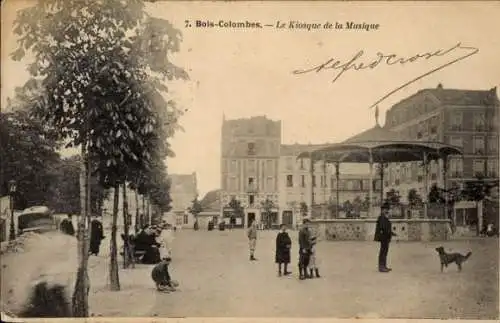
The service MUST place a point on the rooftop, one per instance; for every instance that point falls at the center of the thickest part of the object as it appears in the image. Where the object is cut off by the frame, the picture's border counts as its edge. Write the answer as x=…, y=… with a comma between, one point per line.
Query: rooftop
x=458, y=97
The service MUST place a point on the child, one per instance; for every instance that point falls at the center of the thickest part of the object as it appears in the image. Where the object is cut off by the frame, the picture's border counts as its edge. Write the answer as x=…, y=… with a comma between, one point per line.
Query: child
x=283, y=245
x=313, y=268
x=161, y=277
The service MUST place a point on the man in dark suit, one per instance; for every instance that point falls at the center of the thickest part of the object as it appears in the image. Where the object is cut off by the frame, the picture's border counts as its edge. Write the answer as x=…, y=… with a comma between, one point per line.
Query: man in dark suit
x=383, y=234
x=304, y=249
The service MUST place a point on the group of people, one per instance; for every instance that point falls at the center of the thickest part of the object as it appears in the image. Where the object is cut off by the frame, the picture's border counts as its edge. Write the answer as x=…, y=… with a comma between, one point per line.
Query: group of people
x=308, y=266
x=153, y=242
x=96, y=232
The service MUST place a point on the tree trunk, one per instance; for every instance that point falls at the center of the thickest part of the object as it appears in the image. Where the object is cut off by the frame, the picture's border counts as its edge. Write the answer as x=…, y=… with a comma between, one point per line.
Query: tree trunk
x=143, y=217
x=114, y=279
x=148, y=213
x=137, y=212
x=126, y=247
x=82, y=285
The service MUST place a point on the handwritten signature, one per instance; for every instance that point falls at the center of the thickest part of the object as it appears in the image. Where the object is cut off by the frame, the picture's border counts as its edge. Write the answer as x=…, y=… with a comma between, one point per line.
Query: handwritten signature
x=392, y=59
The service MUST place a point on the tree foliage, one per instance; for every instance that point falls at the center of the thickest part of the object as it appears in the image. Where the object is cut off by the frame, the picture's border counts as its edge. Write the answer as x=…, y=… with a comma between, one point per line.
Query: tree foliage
x=393, y=198
x=196, y=207
x=27, y=154
x=98, y=80
x=414, y=199
x=236, y=207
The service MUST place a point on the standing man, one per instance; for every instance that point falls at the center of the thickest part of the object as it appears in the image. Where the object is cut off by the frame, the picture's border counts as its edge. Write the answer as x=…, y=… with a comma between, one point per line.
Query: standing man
x=252, y=239
x=383, y=234
x=96, y=235
x=304, y=249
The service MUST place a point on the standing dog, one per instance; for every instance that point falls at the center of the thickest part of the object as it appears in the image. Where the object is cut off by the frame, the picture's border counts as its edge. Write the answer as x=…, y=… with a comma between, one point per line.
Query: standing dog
x=448, y=258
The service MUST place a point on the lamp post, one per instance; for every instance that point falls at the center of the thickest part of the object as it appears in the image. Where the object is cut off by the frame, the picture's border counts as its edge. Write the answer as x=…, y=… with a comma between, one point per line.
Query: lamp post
x=12, y=190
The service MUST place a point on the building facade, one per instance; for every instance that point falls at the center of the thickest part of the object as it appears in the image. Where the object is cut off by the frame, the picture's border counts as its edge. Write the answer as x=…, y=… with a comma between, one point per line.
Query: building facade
x=183, y=190
x=464, y=118
x=250, y=153
x=256, y=167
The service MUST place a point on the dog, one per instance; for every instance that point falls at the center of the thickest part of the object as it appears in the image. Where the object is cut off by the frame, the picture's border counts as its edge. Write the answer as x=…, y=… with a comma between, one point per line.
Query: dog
x=448, y=258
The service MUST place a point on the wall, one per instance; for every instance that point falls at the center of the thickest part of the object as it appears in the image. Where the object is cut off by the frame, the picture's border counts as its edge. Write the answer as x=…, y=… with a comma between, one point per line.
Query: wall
x=364, y=229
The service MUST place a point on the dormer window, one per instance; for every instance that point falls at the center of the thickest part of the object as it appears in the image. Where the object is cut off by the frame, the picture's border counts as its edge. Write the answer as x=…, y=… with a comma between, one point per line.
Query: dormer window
x=251, y=148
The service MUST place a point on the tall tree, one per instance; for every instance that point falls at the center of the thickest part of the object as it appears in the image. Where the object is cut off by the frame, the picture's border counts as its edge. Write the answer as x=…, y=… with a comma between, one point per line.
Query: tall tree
x=27, y=155
x=267, y=207
x=102, y=66
x=236, y=207
x=195, y=209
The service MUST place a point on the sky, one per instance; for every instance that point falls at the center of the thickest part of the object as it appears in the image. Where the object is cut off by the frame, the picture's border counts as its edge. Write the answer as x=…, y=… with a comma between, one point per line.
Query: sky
x=248, y=72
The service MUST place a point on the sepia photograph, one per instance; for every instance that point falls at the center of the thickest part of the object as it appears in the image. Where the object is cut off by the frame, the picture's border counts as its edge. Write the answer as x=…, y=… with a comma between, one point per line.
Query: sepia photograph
x=249, y=159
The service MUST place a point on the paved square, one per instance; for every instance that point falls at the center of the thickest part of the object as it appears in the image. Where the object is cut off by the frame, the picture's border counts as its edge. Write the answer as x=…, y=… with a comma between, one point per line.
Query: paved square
x=217, y=279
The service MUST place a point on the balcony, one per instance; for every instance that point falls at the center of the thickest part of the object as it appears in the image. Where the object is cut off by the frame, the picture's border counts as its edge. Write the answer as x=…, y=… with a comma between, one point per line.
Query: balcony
x=456, y=174
x=456, y=127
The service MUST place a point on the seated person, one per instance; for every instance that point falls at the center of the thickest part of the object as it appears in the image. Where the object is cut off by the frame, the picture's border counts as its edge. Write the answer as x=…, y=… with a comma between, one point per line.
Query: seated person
x=145, y=241
x=161, y=276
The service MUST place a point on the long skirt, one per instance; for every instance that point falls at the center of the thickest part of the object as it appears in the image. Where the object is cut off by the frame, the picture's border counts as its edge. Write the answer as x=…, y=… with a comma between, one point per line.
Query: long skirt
x=282, y=256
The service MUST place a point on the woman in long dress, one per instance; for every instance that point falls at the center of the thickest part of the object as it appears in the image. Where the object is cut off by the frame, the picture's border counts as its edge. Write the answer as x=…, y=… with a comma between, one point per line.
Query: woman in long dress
x=283, y=245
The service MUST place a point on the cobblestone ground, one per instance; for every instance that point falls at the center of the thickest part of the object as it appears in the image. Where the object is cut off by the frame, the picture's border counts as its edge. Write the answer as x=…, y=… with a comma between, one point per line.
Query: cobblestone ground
x=218, y=280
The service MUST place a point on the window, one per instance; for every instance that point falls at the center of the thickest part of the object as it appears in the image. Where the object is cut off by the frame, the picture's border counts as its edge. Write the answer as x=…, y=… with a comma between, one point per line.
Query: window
x=302, y=164
x=457, y=141
x=269, y=167
x=456, y=121
x=251, y=166
x=313, y=181
x=492, y=144
x=232, y=184
x=322, y=181
x=251, y=199
x=270, y=184
x=302, y=181
x=289, y=180
x=478, y=168
x=251, y=148
x=186, y=219
x=493, y=168
x=332, y=182
x=479, y=145
x=289, y=163
x=233, y=165
x=479, y=121
x=456, y=167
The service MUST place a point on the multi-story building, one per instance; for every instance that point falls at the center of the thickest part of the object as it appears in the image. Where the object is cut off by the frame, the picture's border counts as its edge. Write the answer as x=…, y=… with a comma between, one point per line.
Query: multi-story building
x=464, y=118
x=250, y=152
x=183, y=190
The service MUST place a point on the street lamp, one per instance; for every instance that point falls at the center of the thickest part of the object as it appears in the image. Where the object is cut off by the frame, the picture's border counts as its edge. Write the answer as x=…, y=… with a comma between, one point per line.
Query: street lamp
x=12, y=190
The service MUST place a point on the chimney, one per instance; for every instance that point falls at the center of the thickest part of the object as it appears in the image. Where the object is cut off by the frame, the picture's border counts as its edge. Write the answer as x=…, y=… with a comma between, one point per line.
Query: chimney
x=440, y=86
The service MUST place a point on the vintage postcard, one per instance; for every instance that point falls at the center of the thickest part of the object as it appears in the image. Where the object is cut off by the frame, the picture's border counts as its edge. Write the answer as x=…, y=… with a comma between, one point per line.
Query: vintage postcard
x=285, y=160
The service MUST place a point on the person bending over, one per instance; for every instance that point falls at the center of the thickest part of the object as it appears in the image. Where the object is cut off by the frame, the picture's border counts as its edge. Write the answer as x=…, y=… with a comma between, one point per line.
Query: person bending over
x=161, y=276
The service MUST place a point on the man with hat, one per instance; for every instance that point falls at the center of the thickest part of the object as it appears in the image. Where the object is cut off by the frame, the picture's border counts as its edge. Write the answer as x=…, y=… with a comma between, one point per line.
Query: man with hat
x=304, y=248
x=383, y=234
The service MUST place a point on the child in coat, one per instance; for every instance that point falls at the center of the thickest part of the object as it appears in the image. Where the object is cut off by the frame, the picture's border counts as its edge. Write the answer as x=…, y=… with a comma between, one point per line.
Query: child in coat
x=313, y=266
x=161, y=277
